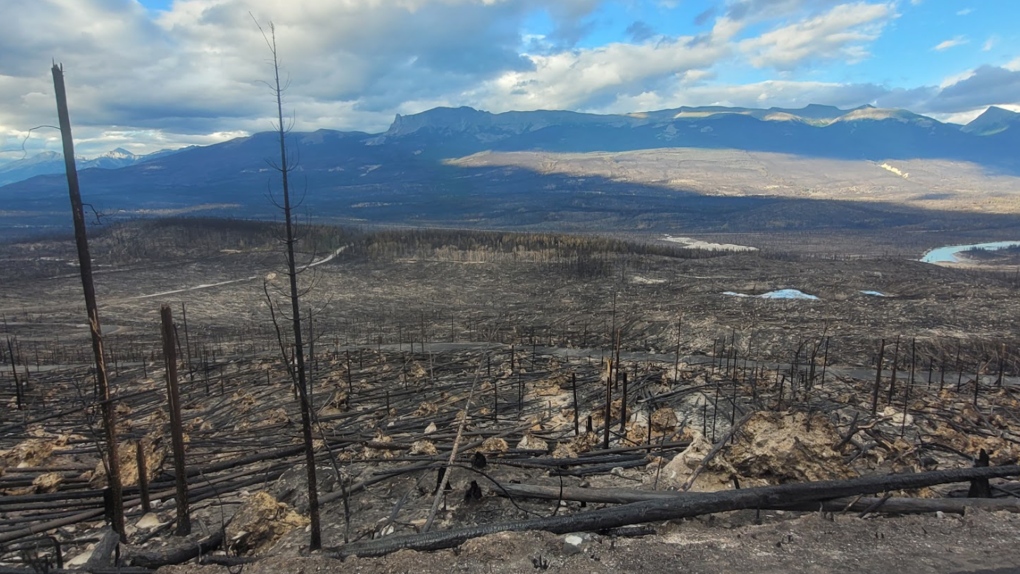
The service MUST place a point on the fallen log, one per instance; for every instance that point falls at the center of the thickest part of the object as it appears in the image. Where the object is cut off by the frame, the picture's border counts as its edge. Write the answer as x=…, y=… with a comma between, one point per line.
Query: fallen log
x=594, y=495
x=900, y=505
x=174, y=554
x=38, y=528
x=686, y=506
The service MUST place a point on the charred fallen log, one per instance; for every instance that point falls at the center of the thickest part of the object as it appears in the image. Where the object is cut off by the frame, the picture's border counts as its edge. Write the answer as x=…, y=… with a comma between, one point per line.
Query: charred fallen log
x=899, y=505
x=177, y=553
x=689, y=505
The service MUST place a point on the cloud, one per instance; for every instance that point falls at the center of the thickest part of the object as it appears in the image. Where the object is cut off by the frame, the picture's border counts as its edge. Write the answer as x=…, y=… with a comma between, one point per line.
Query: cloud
x=194, y=73
x=955, y=79
x=985, y=86
x=990, y=43
x=964, y=12
x=840, y=33
x=640, y=31
x=576, y=79
x=770, y=9
x=770, y=93
x=951, y=43
x=197, y=68
x=704, y=17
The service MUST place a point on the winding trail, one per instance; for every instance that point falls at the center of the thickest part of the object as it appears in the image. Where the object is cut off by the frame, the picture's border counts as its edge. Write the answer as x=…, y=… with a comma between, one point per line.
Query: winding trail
x=326, y=259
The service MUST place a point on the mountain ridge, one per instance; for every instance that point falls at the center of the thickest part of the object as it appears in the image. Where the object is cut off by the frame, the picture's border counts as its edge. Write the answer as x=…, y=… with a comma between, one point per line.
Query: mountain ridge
x=52, y=162
x=405, y=172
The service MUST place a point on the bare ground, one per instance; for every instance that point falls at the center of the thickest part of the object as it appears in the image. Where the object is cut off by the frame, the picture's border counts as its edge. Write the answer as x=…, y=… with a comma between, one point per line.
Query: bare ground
x=412, y=330
x=978, y=542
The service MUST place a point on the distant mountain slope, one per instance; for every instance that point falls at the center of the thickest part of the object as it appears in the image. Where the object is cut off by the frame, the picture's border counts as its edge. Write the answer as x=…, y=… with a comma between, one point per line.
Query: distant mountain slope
x=50, y=162
x=993, y=121
x=403, y=176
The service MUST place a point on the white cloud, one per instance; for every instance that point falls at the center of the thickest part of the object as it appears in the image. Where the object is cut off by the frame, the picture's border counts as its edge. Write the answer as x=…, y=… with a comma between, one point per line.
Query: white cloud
x=573, y=79
x=193, y=74
x=964, y=11
x=956, y=78
x=990, y=43
x=771, y=93
x=840, y=33
x=951, y=43
x=198, y=67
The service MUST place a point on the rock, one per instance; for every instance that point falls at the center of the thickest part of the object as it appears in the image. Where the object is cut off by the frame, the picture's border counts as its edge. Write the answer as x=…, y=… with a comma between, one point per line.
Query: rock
x=574, y=544
x=148, y=521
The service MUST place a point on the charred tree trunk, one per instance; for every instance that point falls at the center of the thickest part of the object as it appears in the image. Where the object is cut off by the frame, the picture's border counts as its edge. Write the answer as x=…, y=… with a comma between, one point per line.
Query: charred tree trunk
x=299, y=351
x=85, y=266
x=176, y=428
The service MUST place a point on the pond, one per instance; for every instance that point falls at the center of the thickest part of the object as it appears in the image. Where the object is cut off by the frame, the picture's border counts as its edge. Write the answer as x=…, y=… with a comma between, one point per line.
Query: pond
x=779, y=294
x=948, y=253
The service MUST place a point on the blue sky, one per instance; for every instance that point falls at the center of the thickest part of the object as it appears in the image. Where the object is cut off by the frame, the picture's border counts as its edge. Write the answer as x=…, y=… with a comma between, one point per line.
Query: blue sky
x=152, y=74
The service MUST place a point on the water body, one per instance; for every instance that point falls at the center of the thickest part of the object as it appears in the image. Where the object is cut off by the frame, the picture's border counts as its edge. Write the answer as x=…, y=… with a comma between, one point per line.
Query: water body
x=948, y=254
x=780, y=294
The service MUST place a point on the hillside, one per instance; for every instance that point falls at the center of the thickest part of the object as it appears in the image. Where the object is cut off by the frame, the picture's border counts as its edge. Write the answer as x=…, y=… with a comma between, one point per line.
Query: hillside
x=425, y=169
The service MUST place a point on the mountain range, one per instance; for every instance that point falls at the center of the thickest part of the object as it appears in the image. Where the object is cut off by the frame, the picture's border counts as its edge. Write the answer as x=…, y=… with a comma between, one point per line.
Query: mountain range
x=51, y=162
x=405, y=175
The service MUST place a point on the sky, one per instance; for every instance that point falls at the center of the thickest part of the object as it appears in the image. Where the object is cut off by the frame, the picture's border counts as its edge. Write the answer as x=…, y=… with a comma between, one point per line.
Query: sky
x=146, y=75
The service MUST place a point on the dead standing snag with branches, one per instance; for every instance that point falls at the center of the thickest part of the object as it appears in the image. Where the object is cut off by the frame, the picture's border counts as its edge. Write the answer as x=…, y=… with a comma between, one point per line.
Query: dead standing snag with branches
x=299, y=356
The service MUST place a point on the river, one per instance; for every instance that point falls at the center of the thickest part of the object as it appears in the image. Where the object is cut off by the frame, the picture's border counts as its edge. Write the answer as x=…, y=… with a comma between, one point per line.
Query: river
x=948, y=253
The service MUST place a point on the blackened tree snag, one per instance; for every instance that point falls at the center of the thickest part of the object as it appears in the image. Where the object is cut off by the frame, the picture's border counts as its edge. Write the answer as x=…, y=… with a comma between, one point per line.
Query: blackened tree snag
x=110, y=457
x=176, y=425
x=878, y=379
x=299, y=353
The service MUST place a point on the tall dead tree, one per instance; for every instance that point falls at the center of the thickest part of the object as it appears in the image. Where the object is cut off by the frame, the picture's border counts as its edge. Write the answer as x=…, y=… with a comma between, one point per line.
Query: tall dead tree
x=299, y=354
x=85, y=266
x=173, y=397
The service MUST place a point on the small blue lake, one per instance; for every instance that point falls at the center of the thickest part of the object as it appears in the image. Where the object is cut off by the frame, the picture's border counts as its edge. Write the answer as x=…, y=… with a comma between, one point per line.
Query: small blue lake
x=948, y=253
x=780, y=294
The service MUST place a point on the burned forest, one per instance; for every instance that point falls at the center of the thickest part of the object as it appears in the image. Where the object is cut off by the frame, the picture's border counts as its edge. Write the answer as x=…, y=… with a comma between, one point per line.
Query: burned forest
x=575, y=402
